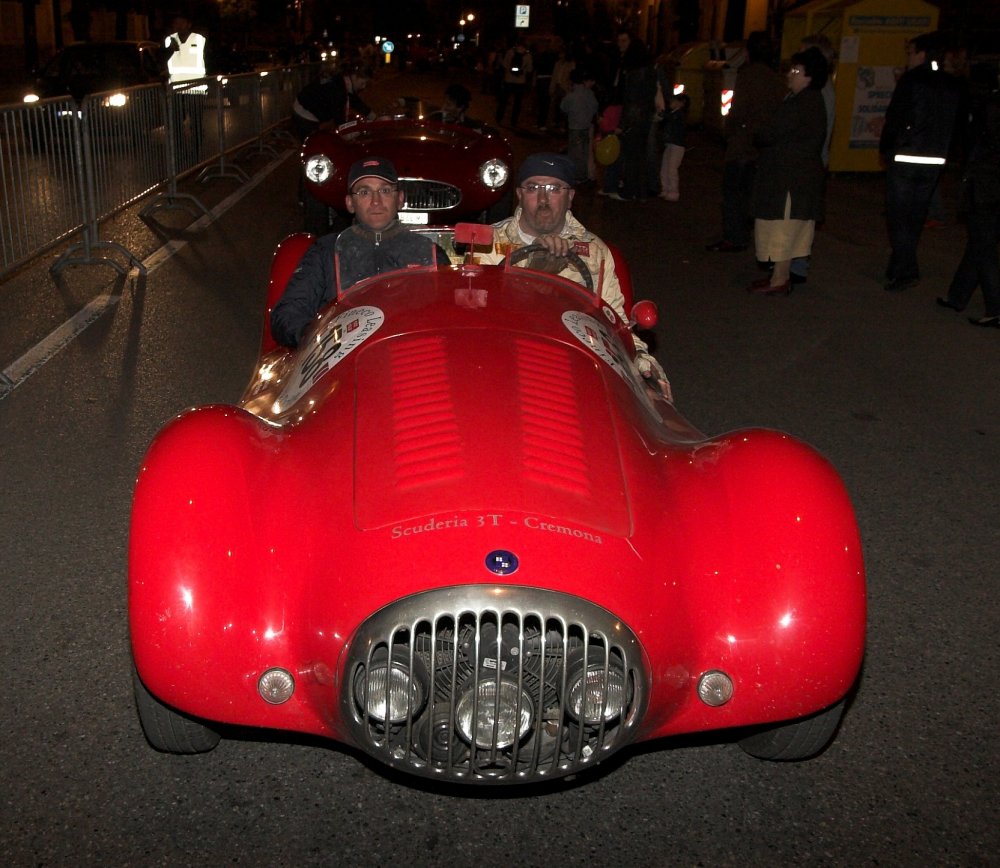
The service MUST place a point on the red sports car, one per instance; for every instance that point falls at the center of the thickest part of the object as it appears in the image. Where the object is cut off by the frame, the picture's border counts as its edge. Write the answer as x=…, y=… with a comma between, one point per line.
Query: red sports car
x=456, y=530
x=449, y=171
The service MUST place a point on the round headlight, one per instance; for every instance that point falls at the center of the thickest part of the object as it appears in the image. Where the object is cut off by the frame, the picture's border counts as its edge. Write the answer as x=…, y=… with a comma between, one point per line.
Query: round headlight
x=115, y=100
x=397, y=699
x=511, y=722
x=591, y=692
x=31, y=97
x=319, y=168
x=494, y=173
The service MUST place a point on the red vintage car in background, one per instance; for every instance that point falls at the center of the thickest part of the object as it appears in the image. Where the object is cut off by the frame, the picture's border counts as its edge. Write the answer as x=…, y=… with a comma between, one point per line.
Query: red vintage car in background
x=456, y=530
x=448, y=171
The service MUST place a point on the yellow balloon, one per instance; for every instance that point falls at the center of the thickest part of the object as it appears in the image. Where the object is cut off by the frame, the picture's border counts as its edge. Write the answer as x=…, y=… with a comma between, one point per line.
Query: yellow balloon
x=608, y=149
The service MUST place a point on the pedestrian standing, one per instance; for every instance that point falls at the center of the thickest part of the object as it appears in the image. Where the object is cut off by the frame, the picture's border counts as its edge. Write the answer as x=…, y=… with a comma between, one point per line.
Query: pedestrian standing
x=979, y=204
x=674, y=138
x=758, y=93
x=580, y=107
x=916, y=136
x=186, y=55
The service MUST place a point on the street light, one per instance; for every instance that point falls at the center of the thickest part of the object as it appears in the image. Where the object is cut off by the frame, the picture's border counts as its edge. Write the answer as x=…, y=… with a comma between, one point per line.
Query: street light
x=468, y=18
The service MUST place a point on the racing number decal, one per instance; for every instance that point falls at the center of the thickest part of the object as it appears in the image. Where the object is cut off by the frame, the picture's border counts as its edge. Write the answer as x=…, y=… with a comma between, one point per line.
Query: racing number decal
x=597, y=337
x=338, y=338
x=594, y=334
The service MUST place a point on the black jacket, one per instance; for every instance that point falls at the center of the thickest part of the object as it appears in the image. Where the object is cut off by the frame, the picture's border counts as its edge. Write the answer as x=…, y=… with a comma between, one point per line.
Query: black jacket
x=330, y=101
x=920, y=119
x=791, y=159
x=359, y=253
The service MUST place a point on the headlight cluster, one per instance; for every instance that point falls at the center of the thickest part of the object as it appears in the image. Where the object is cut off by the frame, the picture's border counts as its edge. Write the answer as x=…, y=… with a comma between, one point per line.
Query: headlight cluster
x=319, y=168
x=489, y=713
x=494, y=173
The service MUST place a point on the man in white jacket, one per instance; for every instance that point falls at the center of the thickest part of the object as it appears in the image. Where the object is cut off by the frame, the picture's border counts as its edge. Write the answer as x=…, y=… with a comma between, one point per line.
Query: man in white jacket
x=544, y=195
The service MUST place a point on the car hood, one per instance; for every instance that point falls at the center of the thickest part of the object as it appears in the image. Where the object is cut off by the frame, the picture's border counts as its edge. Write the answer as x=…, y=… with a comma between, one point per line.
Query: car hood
x=438, y=424
x=418, y=148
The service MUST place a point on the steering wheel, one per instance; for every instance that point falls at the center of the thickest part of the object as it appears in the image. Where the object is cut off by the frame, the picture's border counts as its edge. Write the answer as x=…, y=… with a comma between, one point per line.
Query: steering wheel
x=574, y=259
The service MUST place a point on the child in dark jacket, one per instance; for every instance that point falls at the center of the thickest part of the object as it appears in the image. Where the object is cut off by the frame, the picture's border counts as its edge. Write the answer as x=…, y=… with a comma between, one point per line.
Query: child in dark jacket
x=674, y=131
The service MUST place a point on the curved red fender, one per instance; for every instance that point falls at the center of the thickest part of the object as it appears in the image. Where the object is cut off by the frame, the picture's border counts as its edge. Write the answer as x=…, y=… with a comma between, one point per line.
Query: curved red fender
x=287, y=256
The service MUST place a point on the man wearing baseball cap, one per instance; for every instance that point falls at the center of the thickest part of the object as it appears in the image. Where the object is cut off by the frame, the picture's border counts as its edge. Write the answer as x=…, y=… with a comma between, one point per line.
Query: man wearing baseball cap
x=374, y=243
x=544, y=195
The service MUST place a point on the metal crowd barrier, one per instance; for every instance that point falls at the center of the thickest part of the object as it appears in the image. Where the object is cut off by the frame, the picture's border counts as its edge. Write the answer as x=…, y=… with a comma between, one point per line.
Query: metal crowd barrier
x=65, y=167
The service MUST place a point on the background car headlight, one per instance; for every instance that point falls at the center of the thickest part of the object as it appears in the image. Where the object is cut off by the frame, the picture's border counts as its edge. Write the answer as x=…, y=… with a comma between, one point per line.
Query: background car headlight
x=114, y=100
x=31, y=97
x=380, y=701
x=592, y=691
x=512, y=723
x=319, y=168
x=494, y=174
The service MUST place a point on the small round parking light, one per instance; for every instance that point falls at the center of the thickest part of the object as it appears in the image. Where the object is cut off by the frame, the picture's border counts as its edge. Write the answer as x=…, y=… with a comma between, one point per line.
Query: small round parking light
x=715, y=688
x=276, y=686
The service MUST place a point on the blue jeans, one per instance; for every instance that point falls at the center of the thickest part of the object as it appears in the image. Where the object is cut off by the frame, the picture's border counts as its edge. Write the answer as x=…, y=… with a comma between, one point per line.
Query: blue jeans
x=908, y=191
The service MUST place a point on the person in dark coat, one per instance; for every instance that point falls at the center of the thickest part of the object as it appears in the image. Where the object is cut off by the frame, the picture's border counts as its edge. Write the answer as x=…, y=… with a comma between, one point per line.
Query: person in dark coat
x=979, y=204
x=331, y=100
x=788, y=186
x=758, y=94
x=914, y=144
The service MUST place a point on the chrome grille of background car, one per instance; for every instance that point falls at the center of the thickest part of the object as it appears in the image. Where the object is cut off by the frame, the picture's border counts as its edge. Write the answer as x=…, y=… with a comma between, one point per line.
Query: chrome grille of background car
x=429, y=195
x=546, y=641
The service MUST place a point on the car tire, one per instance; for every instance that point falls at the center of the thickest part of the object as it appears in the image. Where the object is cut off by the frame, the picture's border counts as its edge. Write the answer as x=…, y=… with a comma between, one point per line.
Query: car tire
x=797, y=740
x=168, y=730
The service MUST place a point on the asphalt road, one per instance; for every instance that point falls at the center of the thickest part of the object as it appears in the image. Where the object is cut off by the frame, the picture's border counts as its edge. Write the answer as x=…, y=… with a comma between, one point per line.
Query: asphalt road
x=901, y=395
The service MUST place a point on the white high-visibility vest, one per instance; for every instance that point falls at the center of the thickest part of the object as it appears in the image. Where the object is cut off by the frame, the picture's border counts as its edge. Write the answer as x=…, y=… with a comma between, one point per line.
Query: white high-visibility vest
x=188, y=63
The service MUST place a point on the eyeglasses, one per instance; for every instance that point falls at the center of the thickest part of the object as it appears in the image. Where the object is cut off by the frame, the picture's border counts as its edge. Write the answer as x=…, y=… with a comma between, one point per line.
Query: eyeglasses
x=364, y=193
x=553, y=189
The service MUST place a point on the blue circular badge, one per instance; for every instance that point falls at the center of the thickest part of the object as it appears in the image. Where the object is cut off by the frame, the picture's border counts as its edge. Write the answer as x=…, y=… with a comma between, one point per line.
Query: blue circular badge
x=501, y=562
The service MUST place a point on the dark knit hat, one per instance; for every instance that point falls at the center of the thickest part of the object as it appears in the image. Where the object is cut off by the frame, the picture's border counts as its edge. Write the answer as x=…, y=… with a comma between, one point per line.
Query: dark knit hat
x=373, y=167
x=549, y=166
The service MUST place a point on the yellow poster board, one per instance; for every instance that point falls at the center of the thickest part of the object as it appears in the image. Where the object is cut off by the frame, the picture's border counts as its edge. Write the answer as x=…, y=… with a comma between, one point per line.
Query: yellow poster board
x=870, y=39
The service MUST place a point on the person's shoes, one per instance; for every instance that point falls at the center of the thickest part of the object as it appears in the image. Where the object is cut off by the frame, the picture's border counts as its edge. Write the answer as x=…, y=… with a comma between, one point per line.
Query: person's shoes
x=759, y=282
x=987, y=322
x=898, y=284
x=943, y=302
x=725, y=247
x=617, y=197
x=765, y=288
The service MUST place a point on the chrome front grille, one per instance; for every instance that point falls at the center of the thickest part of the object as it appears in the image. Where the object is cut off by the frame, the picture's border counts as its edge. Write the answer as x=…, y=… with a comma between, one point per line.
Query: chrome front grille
x=486, y=684
x=429, y=195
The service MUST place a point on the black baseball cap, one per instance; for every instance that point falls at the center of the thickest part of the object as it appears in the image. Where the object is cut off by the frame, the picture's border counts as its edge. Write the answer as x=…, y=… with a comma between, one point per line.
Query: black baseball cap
x=372, y=167
x=548, y=165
